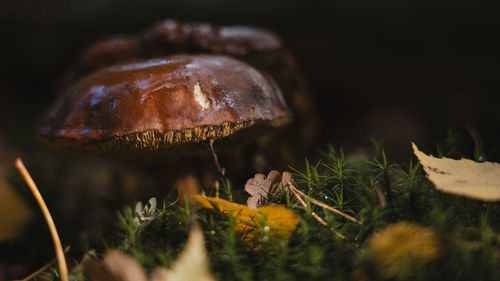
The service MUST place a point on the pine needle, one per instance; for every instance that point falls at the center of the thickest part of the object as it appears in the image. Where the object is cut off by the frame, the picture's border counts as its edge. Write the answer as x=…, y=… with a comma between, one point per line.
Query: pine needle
x=323, y=205
x=303, y=203
x=61, y=260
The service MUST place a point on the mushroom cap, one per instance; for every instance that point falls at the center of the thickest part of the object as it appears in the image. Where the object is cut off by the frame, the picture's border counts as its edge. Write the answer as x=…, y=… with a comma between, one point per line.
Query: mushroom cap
x=173, y=37
x=149, y=106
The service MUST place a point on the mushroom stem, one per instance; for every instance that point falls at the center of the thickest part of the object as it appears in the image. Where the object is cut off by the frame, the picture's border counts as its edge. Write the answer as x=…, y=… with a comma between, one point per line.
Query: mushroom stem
x=222, y=171
x=61, y=260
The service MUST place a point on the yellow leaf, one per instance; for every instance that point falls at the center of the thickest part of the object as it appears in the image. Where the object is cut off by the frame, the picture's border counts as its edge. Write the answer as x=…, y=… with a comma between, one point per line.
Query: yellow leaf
x=462, y=177
x=278, y=218
x=14, y=214
x=394, y=245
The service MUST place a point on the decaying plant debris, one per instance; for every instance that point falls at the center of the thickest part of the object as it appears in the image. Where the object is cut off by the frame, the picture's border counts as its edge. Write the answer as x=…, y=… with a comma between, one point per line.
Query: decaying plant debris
x=444, y=236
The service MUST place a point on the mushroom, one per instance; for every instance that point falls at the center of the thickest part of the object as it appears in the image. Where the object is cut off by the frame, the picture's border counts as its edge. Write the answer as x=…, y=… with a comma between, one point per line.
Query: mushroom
x=260, y=48
x=173, y=37
x=145, y=108
x=159, y=110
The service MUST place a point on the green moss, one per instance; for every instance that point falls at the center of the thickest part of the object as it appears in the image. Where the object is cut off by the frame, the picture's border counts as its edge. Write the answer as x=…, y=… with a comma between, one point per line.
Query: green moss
x=468, y=231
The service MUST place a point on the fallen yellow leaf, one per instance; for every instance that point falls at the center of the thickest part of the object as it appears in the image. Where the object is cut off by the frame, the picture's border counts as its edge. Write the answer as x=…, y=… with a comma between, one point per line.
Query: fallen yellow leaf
x=279, y=219
x=462, y=177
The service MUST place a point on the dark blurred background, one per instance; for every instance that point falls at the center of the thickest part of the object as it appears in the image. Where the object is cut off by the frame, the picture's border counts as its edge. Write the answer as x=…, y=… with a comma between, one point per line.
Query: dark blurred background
x=394, y=70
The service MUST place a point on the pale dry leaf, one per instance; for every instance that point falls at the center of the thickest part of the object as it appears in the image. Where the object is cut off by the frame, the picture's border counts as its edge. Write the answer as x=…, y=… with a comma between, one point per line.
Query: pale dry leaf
x=261, y=188
x=462, y=177
x=94, y=270
x=192, y=263
x=116, y=266
x=14, y=213
x=123, y=267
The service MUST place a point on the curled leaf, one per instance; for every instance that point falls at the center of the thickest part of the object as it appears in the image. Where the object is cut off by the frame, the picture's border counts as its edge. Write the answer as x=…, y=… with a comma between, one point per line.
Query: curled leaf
x=462, y=177
x=278, y=218
x=264, y=189
x=145, y=213
x=261, y=188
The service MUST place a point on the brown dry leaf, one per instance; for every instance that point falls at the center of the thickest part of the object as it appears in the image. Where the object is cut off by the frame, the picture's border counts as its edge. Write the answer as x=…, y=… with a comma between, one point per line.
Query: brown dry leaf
x=278, y=218
x=462, y=177
x=261, y=188
x=116, y=266
x=14, y=213
x=191, y=265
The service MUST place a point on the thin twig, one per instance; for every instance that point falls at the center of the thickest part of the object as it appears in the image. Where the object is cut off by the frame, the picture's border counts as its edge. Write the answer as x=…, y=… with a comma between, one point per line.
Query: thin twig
x=222, y=171
x=43, y=268
x=301, y=201
x=318, y=218
x=323, y=205
x=61, y=260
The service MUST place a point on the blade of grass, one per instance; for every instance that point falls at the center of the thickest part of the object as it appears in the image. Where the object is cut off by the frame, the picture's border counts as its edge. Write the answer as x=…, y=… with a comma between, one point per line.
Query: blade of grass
x=61, y=260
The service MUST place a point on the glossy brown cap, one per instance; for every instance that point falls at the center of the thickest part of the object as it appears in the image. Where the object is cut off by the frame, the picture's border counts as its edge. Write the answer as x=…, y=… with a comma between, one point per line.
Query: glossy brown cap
x=151, y=105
